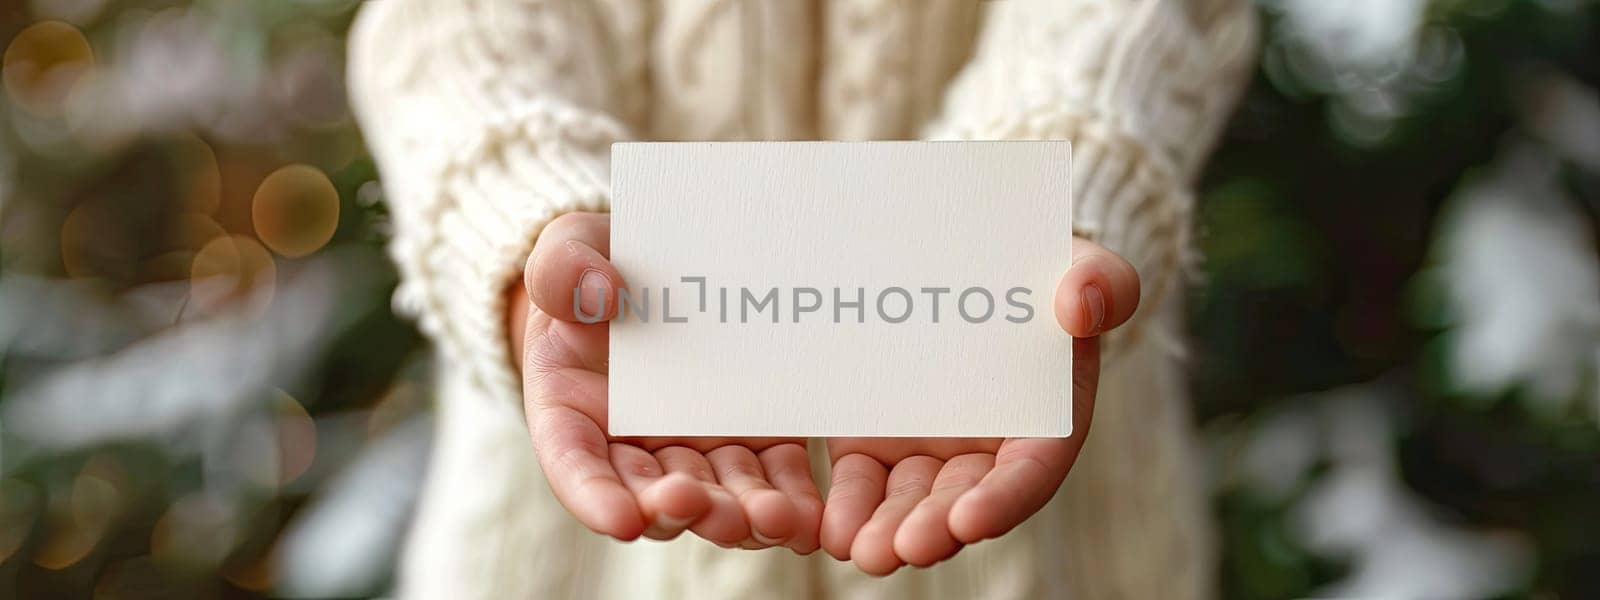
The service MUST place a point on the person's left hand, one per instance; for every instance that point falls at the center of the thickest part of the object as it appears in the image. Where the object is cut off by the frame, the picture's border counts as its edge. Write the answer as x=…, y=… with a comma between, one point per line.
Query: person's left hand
x=897, y=501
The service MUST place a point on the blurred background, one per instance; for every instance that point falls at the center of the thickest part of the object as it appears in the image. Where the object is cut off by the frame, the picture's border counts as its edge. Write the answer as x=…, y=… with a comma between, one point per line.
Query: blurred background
x=204, y=392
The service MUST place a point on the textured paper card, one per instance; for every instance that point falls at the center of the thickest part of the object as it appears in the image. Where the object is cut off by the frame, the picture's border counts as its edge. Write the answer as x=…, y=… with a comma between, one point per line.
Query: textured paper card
x=840, y=289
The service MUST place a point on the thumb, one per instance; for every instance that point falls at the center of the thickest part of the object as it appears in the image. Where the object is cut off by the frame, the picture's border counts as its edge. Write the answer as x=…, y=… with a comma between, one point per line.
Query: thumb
x=1099, y=292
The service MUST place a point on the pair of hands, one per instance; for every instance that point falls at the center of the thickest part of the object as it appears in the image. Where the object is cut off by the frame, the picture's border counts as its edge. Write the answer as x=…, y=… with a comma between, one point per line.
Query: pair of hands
x=891, y=502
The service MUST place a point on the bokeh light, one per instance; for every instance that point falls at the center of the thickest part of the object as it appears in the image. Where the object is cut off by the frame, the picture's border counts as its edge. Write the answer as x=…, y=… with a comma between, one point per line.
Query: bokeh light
x=147, y=211
x=80, y=520
x=43, y=64
x=274, y=449
x=190, y=232
x=255, y=575
x=68, y=543
x=232, y=268
x=197, y=530
x=296, y=210
x=297, y=437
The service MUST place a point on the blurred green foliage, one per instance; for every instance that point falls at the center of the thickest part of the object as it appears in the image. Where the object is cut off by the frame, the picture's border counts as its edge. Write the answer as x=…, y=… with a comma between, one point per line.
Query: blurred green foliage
x=1316, y=245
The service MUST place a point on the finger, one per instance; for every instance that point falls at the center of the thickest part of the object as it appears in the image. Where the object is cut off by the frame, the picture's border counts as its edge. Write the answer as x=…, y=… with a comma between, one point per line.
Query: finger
x=668, y=503
x=924, y=537
x=553, y=344
x=772, y=517
x=788, y=468
x=1099, y=292
x=723, y=522
x=855, y=491
x=569, y=262
x=573, y=454
x=1026, y=474
x=908, y=484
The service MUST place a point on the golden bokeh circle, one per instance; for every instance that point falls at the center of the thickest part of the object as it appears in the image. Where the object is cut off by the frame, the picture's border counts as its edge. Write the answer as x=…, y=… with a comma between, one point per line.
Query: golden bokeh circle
x=295, y=210
x=43, y=64
x=297, y=437
x=78, y=233
x=197, y=529
x=230, y=268
x=67, y=544
x=93, y=504
x=190, y=231
x=257, y=575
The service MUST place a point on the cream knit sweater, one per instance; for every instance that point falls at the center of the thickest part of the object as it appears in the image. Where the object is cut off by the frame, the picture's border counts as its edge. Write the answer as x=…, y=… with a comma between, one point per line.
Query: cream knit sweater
x=490, y=117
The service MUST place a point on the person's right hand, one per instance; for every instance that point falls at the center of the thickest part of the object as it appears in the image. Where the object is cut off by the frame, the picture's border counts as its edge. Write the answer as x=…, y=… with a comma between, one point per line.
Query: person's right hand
x=745, y=492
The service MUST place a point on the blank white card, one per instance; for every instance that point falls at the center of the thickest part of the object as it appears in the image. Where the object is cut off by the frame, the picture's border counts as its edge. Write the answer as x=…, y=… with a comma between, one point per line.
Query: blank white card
x=840, y=289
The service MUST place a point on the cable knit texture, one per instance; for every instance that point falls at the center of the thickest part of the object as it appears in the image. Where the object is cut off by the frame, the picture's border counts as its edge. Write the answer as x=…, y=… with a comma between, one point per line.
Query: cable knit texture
x=490, y=117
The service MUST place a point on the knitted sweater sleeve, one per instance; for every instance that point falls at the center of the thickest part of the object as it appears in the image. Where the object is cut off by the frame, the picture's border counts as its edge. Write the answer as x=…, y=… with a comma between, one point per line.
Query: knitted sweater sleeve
x=487, y=118
x=1141, y=88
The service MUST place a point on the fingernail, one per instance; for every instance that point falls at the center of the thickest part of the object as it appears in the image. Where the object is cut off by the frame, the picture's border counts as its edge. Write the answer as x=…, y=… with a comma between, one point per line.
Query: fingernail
x=763, y=539
x=592, y=297
x=1094, y=307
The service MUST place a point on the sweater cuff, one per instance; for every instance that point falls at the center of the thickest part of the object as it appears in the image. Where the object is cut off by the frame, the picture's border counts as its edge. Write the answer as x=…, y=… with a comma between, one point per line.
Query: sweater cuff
x=1140, y=88
x=1126, y=196
x=470, y=234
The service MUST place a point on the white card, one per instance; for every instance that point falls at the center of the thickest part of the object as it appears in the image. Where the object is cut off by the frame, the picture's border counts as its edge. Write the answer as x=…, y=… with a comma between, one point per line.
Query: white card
x=847, y=245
